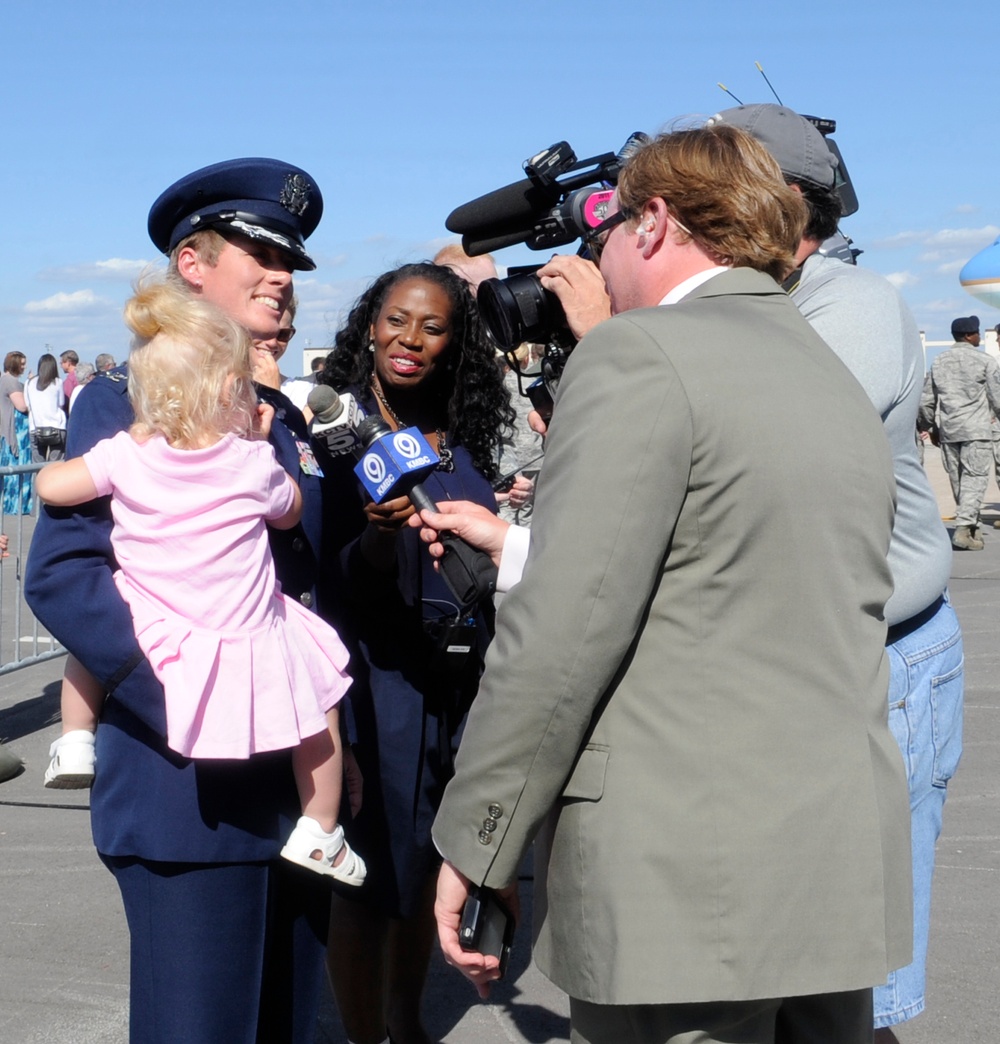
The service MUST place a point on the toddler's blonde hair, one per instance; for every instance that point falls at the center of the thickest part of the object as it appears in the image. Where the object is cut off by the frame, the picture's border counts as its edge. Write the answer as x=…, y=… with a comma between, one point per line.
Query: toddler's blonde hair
x=190, y=368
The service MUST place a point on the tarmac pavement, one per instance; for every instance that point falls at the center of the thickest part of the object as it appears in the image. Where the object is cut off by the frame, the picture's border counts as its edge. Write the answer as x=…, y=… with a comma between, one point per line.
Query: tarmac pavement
x=64, y=945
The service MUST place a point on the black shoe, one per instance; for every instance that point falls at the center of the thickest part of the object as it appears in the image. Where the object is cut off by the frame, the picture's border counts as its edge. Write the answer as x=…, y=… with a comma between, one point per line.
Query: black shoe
x=10, y=764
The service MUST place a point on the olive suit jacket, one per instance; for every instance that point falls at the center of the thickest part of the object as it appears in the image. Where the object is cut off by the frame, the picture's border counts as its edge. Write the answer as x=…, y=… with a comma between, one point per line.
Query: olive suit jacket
x=686, y=697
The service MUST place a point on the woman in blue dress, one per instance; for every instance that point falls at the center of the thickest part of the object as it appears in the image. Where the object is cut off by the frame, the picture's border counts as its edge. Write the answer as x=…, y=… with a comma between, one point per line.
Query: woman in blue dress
x=412, y=351
x=15, y=439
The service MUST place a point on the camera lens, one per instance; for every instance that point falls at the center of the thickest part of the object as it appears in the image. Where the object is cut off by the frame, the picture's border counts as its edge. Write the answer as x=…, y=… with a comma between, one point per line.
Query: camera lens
x=518, y=309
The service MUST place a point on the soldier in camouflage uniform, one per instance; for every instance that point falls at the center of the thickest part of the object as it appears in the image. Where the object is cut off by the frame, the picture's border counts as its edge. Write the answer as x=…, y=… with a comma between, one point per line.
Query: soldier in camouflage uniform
x=959, y=406
x=995, y=431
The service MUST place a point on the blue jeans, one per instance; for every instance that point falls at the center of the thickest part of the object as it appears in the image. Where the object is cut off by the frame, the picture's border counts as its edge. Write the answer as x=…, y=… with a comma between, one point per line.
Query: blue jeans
x=925, y=715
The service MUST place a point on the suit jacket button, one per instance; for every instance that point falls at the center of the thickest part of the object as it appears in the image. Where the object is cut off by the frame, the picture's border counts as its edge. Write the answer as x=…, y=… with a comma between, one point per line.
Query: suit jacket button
x=495, y=810
x=485, y=837
x=489, y=825
x=298, y=544
x=306, y=599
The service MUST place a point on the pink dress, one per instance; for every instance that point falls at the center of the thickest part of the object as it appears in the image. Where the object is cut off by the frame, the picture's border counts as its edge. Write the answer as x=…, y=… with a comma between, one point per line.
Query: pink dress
x=244, y=669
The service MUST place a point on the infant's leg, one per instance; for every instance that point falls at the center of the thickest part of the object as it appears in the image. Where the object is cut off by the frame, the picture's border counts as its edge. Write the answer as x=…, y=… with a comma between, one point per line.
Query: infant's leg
x=73, y=755
x=319, y=774
x=317, y=842
x=81, y=697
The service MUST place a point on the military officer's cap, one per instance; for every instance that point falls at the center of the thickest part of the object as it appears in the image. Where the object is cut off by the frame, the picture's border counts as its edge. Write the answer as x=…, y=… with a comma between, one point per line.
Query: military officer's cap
x=265, y=199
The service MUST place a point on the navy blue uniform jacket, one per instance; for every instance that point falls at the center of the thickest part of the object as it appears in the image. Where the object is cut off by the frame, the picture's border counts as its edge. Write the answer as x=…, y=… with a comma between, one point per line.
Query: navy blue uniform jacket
x=148, y=801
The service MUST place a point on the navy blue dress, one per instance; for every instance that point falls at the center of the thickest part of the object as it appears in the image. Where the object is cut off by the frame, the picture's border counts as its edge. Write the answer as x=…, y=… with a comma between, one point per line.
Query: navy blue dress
x=410, y=698
x=227, y=940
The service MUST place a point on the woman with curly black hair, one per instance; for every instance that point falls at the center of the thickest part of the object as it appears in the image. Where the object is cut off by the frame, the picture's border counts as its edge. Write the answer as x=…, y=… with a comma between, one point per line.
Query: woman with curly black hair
x=412, y=351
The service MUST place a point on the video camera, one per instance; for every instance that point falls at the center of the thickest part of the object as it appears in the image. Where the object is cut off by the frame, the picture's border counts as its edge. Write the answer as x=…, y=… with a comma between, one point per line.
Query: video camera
x=561, y=199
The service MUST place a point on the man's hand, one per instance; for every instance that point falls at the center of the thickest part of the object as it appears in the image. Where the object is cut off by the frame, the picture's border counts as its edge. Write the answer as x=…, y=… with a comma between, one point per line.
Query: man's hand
x=475, y=524
x=265, y=367
x=520, y=493
x=581, y=291
x=452, y=891
x=537, y=423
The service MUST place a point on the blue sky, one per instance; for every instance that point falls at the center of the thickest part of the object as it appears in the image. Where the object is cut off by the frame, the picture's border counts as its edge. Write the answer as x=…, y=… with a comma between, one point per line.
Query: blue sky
x=403, y=111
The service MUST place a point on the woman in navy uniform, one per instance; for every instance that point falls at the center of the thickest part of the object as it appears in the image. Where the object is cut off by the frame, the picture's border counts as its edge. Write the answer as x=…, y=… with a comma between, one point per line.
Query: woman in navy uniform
x=412, y=352
x=226, y=942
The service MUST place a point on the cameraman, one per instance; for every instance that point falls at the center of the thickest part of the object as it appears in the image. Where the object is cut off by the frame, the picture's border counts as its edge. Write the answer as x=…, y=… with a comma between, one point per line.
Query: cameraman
x=865, y=321
x=681, y=688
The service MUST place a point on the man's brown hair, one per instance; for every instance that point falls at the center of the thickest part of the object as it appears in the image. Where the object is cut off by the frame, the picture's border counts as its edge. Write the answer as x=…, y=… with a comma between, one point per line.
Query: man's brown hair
x=727, y=191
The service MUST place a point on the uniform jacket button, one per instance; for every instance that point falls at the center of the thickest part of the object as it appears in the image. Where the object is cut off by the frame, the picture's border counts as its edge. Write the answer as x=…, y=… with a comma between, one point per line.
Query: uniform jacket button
x=495, y=810
x=298, y=544
x=489, y=825
x=485, y=838
x=306, y=599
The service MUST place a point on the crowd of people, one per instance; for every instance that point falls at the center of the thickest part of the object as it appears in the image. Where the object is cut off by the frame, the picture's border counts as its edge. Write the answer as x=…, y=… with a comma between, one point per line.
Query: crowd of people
x=33, y=415
x=304, y=750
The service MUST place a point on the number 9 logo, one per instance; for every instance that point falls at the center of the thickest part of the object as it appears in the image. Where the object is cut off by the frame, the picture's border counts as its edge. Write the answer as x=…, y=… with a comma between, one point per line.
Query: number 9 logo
x=374, y=468
x=406, y=444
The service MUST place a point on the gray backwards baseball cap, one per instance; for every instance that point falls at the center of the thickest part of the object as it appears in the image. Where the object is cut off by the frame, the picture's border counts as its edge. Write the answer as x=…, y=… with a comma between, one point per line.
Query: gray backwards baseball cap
x=799, y=148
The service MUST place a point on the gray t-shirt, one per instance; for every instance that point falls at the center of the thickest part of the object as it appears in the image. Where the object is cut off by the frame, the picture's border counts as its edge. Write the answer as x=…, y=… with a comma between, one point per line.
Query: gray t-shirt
x=8, y=383
x=865, y=321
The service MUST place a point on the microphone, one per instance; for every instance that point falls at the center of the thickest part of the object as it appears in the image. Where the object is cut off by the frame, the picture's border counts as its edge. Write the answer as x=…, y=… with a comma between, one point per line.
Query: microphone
x=335, y=419
x=393, y=464
x=513, y=213
x=504, y=211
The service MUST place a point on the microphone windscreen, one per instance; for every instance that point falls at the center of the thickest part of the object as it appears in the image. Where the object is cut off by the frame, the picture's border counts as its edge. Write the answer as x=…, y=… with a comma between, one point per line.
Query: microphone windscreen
x=325, y=403
x=512, y=207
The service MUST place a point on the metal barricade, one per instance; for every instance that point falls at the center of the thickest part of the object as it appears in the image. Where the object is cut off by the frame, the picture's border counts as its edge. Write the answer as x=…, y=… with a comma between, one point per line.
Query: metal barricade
x=23, y=640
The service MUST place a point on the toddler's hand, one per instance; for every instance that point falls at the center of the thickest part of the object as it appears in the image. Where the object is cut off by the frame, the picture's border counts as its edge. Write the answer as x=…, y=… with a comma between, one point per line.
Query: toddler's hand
x=265, y=414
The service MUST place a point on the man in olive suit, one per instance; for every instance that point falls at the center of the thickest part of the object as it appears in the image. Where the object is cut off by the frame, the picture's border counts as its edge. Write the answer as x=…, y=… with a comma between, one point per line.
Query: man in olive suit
x=686, y=698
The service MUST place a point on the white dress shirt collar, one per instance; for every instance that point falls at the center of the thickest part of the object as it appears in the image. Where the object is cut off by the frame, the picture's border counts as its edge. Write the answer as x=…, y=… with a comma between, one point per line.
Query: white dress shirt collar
x=681, y=290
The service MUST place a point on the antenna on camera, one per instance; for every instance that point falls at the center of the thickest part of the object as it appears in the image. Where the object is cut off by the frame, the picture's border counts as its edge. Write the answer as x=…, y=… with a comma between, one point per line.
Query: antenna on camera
x=730, y=93
x=760, y=69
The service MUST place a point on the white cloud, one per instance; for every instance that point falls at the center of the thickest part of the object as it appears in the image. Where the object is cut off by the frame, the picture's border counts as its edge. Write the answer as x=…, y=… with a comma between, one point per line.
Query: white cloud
x=78, y=301
x=951, y=267
x=114, y=269
x=430, y=247
x=901, y=279
x=325, y=261
x=943, y=243
x=315, y=295
x=900, y=239
x=944, y=304
x=963, y=238
x=966, y=208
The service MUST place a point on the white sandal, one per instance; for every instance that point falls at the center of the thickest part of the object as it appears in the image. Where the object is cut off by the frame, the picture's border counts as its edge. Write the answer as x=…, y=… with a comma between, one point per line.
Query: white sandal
x=309, y=845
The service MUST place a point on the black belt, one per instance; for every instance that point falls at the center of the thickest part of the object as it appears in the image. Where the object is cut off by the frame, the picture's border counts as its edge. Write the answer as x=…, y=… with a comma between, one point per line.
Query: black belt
x=901, y=630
